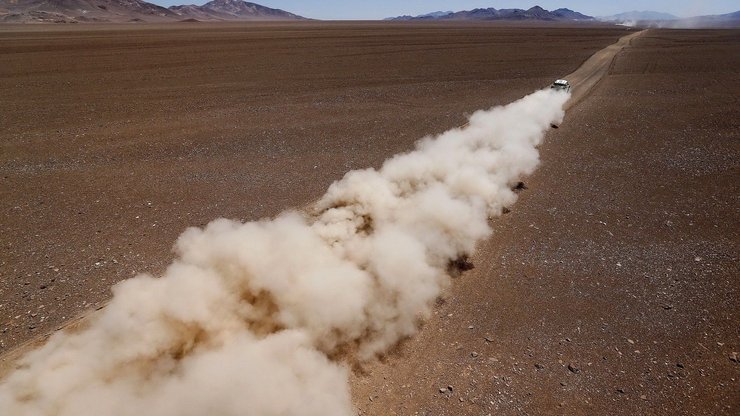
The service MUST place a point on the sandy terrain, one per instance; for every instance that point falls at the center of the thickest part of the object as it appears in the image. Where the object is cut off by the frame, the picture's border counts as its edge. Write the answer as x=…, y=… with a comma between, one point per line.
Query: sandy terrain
x=117, y=138
x=612, y=287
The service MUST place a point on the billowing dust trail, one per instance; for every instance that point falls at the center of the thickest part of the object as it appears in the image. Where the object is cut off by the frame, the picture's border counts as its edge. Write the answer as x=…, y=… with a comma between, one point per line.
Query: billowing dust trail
x=251, y=318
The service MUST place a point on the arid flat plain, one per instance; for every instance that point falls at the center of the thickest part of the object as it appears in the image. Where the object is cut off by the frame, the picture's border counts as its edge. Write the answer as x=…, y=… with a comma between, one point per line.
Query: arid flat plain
x=611, y=286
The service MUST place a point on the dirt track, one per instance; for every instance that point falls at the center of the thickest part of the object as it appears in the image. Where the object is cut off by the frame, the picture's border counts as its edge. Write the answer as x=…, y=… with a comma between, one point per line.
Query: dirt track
x=585, y=78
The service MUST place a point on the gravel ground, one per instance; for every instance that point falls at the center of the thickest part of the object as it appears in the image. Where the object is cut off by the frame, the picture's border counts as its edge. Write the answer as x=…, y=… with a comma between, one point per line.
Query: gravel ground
x=612, y=286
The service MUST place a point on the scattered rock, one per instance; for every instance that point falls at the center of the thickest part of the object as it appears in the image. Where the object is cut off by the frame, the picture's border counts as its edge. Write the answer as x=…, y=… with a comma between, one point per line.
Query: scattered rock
x=474, y=354
x=488, y=338
x=733, y=357
x=573, y=369
x=520, y=186
x=459, y=265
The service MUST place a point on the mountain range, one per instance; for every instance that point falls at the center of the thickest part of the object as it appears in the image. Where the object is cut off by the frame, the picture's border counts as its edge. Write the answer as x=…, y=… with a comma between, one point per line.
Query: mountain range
x=534, y=13
x=119, y=11
x=124, y=11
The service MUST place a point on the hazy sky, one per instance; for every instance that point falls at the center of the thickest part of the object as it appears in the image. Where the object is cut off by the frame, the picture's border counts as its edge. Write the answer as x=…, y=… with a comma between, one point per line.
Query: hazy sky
x=378, y=9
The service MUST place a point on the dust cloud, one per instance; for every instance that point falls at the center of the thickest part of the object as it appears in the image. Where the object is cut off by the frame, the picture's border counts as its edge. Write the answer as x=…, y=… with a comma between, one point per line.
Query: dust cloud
x=259, y=318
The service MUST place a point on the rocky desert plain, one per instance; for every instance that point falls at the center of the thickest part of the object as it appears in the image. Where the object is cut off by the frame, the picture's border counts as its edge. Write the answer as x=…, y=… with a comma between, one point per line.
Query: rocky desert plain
x=612, y=287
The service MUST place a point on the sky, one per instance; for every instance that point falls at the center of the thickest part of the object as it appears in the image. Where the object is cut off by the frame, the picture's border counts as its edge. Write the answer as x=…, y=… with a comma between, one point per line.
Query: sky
x=379, y=9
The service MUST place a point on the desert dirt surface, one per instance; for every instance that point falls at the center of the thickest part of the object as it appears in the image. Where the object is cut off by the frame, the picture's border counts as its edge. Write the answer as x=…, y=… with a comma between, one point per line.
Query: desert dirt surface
x=116, y=138
x=610, y=287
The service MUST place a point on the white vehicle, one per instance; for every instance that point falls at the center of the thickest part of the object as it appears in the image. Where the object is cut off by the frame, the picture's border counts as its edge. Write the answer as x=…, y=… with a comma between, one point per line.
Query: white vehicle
x=560, y=85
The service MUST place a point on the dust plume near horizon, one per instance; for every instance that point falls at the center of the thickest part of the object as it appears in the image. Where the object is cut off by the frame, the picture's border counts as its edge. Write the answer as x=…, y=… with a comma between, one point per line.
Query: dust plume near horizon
x=253, y=318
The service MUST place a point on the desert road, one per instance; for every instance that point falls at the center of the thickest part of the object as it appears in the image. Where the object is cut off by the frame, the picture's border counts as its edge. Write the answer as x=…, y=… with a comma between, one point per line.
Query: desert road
x=593, y=70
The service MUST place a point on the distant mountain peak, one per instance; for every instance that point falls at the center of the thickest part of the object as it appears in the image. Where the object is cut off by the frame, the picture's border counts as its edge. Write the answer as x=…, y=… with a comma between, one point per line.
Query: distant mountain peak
x=233, y=10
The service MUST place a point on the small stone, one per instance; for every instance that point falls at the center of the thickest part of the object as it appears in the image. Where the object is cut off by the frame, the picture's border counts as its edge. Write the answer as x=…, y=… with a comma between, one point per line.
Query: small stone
x=470, y=327
x=697, y=258
x=630, y=341
x=442, y=390
x=733, y=357
x=488, y=338
x=620, y=391
x=679, y=365
x=573, y=369
x=643, y=397
x=539, y=366
x=474, y=354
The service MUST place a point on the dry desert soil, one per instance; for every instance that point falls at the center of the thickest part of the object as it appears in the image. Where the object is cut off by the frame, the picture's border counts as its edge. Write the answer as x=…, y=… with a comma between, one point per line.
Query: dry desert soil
x=612, y=286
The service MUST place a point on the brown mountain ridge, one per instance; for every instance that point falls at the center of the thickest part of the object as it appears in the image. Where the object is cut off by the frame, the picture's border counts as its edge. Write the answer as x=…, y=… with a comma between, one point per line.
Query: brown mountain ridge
x=121, y=11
